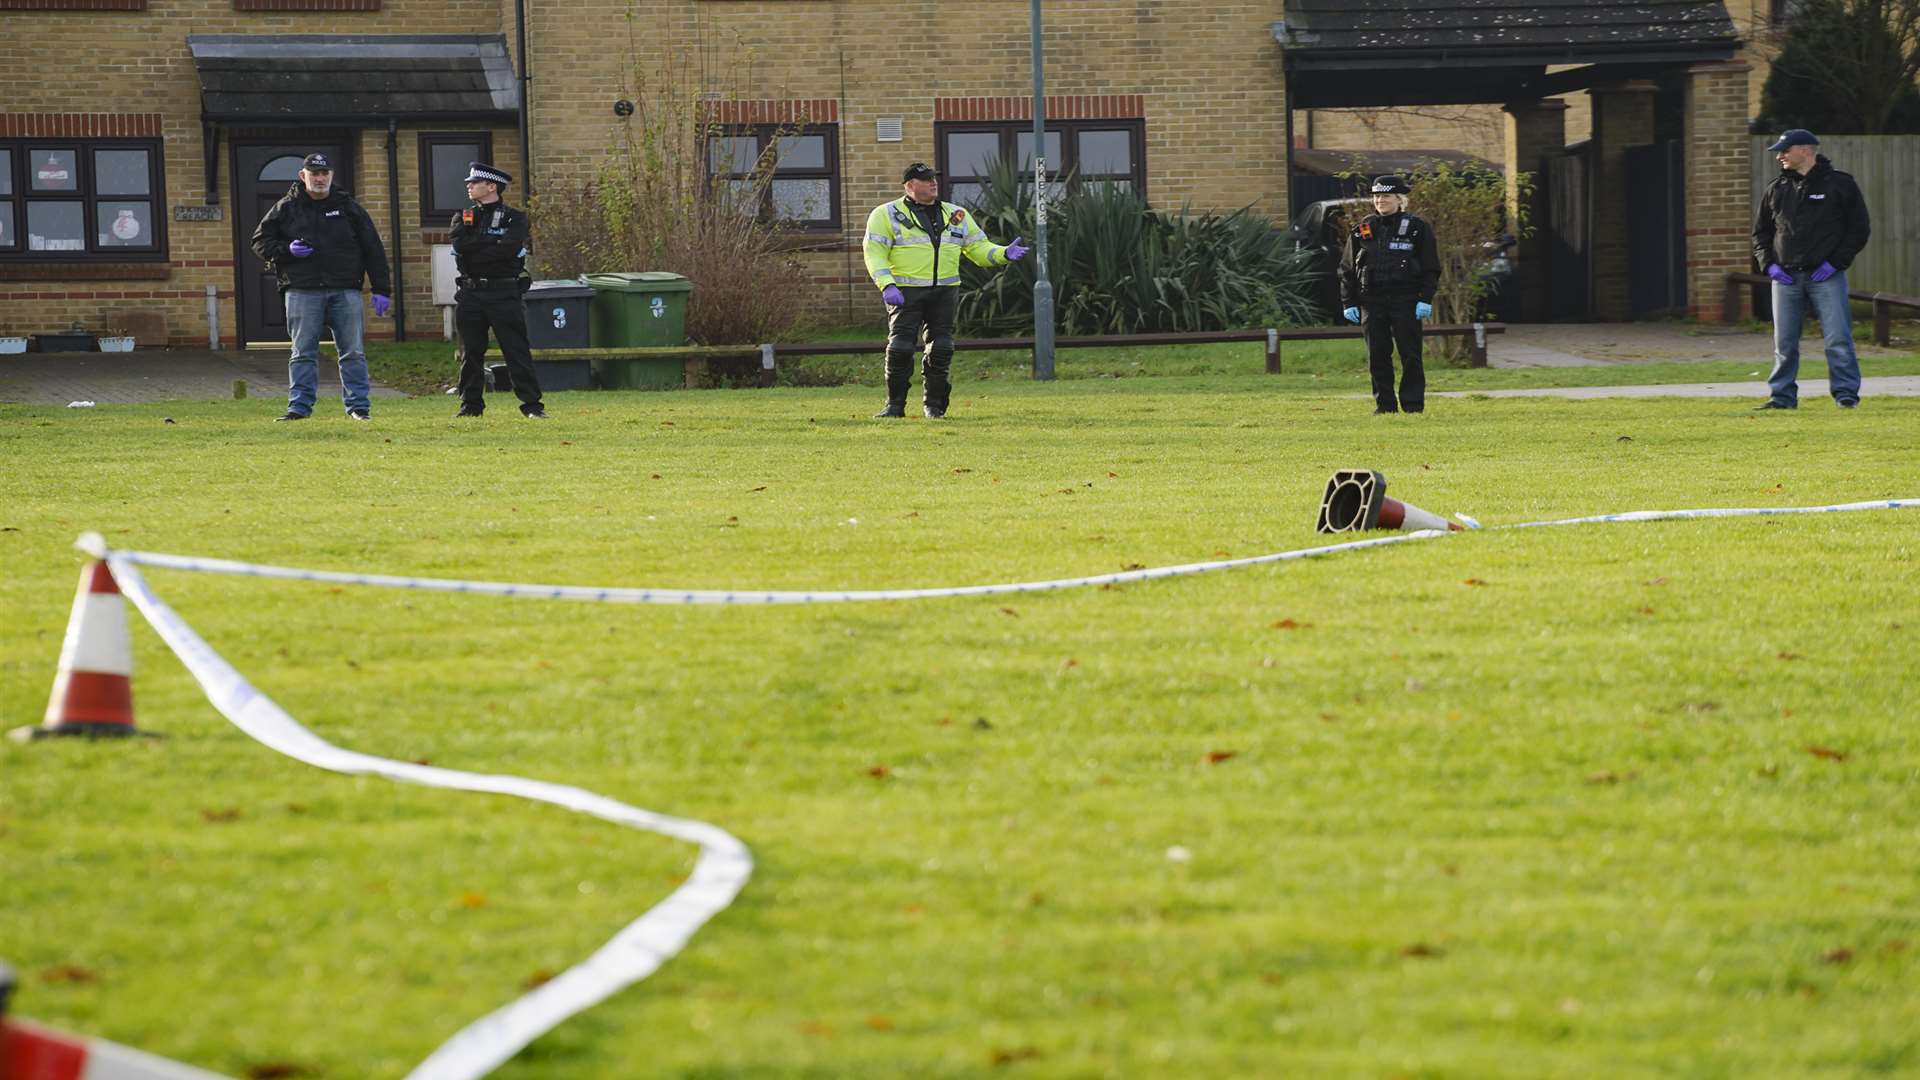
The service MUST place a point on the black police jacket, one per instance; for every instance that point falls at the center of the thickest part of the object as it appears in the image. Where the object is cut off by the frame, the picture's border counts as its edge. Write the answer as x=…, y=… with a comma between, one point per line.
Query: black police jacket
x=489, y=242
x=1389, y=257
x=1804, y=221
x=346, y=246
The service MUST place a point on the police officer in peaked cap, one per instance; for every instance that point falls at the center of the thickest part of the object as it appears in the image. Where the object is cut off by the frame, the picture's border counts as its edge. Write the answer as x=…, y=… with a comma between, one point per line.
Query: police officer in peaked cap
x=490, y=253
x=1387, y=281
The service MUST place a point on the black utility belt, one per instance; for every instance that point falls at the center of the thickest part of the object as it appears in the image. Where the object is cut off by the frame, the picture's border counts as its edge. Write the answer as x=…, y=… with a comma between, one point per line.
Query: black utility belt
x=487, y=283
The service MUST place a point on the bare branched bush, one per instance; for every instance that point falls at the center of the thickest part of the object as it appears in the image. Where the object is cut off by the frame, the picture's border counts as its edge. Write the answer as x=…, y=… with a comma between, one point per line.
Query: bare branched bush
x=653, y=204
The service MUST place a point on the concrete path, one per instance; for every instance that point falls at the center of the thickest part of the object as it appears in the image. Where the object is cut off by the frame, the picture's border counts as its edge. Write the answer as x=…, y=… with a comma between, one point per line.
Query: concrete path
x=147, y=375
x=1812, y=391
x=1526, y=345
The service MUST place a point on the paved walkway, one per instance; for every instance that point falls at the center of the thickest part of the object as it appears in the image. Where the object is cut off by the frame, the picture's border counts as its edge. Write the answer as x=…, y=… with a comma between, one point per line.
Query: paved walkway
x=146, y=375
x=172, y=375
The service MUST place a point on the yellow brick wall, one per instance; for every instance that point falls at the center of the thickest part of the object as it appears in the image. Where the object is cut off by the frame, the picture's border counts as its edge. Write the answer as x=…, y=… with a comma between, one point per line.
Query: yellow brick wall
x=138, y=62
x=1210, y=75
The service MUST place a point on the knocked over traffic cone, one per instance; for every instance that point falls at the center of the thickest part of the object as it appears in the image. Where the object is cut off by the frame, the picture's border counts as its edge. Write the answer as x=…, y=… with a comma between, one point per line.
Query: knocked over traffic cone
x=1356, y=500
x=93, y=688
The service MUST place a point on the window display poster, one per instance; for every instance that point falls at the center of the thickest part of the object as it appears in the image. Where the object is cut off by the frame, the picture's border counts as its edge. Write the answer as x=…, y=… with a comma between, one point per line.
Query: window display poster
x=54, y=170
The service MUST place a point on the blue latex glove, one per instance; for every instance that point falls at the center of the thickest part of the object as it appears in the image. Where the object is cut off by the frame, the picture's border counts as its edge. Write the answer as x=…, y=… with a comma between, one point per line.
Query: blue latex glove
x=1779, y=275
x=891, y=294
x=381, y=304
x=1824, y=271
x=1422, y=309
x=1352, y=314
x=300, y=249
x=1017, y=250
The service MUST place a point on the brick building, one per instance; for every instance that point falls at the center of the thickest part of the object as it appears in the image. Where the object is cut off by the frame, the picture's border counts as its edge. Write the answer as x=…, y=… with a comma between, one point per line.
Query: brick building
x=186, y=117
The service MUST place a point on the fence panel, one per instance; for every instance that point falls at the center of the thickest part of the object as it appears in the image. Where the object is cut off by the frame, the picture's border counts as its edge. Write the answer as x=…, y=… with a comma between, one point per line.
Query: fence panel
x=1885, y=166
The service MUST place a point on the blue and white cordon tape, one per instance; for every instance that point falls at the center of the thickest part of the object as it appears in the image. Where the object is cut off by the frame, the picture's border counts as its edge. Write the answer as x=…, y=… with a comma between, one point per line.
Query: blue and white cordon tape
x=724, y=864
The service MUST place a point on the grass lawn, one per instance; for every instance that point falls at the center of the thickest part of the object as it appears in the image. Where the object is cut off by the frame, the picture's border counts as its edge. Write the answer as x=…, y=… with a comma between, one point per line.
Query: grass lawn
x=1627, y=800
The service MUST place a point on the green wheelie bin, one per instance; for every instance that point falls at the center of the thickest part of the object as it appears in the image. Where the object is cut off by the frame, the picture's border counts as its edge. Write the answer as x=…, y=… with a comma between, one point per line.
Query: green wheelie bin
x=643, y=310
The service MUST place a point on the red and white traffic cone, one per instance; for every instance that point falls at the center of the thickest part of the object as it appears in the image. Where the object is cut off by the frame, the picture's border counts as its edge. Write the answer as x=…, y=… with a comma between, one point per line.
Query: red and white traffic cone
x=31, y=1052
x=1356, y=500
x=93, y=688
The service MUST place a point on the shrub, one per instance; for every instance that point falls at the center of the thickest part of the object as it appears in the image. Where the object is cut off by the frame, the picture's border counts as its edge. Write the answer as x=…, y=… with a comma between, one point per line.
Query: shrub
x=651, y=205
x=1120, y=267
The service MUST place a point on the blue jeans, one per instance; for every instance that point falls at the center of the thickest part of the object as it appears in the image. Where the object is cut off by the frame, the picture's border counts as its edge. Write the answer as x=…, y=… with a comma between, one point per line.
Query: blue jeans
x=1828, y=299
x=309, y=311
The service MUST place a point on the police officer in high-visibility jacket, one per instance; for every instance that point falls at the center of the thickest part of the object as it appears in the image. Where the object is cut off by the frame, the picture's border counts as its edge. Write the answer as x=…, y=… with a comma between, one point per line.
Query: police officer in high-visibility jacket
x=913, y=250
x=1387, y=281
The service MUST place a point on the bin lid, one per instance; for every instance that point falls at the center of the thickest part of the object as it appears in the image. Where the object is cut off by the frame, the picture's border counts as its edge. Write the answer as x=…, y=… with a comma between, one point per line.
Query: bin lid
x=649, y=281
x=559, y=289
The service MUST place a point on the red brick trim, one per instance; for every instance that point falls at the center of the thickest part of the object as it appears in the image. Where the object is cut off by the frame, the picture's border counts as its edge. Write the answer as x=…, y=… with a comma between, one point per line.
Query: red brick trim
x=1064, y=107
x=797, y=111
x=73, y=5
x=80, y=272
x=79, y=125
x=306, y=5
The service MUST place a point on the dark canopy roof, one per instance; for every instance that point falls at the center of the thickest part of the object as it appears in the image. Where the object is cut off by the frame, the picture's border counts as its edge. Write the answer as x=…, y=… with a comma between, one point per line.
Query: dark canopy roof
x=1387, y=52
x=354, y=78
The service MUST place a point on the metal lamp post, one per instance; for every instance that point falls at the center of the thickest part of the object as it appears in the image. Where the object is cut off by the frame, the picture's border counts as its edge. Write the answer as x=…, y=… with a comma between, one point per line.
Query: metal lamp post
x=1042, y=285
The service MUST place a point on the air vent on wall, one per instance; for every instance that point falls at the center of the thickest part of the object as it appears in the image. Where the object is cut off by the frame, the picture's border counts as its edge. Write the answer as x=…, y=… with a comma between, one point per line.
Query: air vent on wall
x=887, y=129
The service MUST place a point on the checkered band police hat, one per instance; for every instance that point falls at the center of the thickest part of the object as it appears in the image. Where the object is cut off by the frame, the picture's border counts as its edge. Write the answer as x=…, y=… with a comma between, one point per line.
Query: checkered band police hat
x=480, y=170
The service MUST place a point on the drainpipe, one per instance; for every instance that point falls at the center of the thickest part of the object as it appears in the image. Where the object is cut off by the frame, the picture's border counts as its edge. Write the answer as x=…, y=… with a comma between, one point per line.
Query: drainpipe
x=393, y=200
x=526, y=145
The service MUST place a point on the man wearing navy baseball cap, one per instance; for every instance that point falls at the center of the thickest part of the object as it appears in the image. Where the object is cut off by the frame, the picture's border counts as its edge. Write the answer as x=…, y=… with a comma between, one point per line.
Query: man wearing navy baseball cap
x=1811, y=224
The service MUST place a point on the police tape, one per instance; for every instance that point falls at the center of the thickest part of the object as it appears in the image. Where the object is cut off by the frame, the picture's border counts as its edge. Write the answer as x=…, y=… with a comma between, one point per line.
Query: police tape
x=724, y=863
x=722, y=869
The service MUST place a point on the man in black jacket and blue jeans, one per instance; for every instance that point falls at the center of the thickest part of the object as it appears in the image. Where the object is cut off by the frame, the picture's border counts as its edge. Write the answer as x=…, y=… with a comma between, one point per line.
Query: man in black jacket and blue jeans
x=1811, y=224
x=321, y=244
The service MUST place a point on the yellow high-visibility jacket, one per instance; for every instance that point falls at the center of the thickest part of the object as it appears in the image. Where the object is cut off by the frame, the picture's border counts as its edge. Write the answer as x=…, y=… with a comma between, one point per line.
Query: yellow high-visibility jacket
x=899, y=251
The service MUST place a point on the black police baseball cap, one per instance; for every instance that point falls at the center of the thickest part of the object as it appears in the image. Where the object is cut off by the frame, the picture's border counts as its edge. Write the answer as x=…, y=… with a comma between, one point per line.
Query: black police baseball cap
x=317, y=163
x=919, y=170
x=1390, y=185
x=1793, y=137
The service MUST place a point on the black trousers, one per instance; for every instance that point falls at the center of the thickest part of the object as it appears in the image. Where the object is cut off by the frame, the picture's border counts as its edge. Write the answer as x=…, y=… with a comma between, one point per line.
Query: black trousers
x=1386, y=324
x=925, y=321
x=474, y=311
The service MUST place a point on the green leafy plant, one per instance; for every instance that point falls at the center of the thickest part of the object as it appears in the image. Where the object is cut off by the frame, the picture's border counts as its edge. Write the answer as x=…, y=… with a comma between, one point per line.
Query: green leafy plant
x=1120, y=267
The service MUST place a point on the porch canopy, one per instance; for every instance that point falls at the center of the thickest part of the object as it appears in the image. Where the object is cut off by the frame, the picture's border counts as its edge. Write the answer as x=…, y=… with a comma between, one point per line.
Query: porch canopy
x=354, y=79
x=1380, y=53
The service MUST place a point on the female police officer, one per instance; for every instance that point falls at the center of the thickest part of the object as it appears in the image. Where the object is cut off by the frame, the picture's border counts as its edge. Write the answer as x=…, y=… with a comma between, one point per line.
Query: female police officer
x=1387, y=282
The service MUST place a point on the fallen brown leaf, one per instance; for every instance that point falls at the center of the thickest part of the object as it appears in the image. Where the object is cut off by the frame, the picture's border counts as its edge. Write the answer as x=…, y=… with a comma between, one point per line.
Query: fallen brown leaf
x=471, y=899
x=1002, y=1057
x=1604, y=776
x=1289, y=624
x=1824, y=752
x=1472, y=581
x=1215, y=757
x=68, y=973
x=1840, y=955
x=879, y=772
x=1420, y=950
x=276, y=1070
x=231, y=813
x=879, y=1023
x=1788, y=656
x=536, y=980
x=1009, y=611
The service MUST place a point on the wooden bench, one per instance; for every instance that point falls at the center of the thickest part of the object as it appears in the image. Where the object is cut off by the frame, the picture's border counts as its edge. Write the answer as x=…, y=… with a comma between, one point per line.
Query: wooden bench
x=695, y=358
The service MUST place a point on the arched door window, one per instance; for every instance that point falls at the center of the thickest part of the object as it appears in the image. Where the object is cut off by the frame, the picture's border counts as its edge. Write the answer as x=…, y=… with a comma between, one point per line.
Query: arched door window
x=282, y=168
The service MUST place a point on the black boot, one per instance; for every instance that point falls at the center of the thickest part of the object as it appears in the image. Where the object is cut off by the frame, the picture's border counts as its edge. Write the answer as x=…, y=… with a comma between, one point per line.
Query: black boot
x=897, y=386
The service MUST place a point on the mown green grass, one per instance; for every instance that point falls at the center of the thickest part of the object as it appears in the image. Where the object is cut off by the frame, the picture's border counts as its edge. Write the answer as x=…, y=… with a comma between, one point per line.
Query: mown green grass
x=1506, y=804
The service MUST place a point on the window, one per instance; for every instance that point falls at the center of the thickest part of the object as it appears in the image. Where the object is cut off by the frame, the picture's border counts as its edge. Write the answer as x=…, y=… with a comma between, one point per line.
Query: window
x=67, y=200
x=444, y=157
x=1093, y=151
x=804, y=190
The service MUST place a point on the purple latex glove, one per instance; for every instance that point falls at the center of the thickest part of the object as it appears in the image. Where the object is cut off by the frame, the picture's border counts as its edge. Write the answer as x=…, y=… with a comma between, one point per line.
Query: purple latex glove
x=381, y=304
x=891, y=294
x=1824, y=271
x=1017, y=250
x=1776, y=273
x=300, y=249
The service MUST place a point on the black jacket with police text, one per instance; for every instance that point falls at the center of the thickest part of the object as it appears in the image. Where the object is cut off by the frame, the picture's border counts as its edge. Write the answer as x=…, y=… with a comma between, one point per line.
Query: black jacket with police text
x=1389, y=257
x=1804, y=221
x=489, y=241
x=346, y=246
